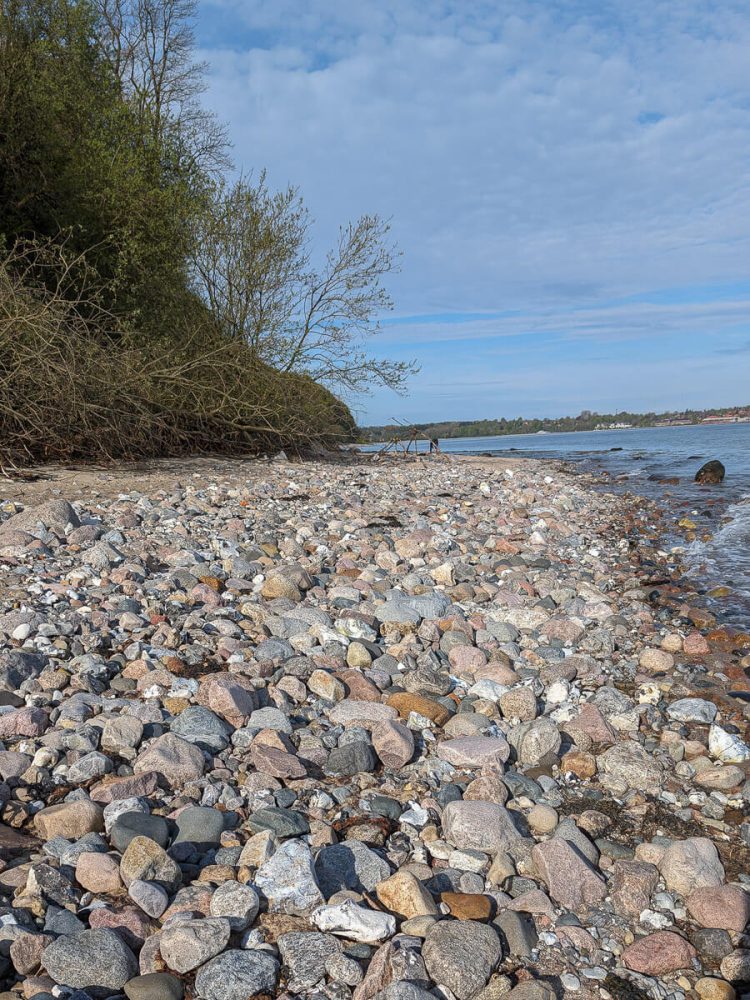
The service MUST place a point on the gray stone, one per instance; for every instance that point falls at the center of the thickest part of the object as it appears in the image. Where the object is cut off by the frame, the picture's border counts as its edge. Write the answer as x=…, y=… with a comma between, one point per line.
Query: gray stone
x=237, y=975
x=692, y=710
x=238, y=903
x=567, y=830
x=396, y=613
x=17, y=666
x=97, y=959
x=185, y=946
x=270, y=718
x=351, y=865
x=91, y=765
x=479, y=826
x=56, y=514
x=350, y=759
x=137, y=824
x=304, y=955
x=154, y=986
x=632, y=764
x=404, y=990
x=149, y=896
x=200, y=826
x=202, y=727
x=712, y=944
x=518, y=932
x=281, y=822
x=461, y=955
x=287, y=880
x=534, y=740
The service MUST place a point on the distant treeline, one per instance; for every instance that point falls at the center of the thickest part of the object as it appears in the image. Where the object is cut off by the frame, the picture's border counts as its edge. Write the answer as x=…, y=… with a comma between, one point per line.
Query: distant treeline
x=585, y=421
x=148, y=306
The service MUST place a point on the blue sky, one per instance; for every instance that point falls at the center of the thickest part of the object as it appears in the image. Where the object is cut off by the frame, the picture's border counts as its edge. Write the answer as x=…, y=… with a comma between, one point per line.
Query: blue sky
x=568, y=181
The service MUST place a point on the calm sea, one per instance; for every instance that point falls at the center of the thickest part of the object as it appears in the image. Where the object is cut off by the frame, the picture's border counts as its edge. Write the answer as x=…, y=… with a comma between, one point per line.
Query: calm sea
x=634, y=460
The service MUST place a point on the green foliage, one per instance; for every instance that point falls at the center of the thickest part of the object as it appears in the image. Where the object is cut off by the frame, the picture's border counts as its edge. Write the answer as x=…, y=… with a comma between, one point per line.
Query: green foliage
x=586, y=421
x=72, y=160
x=108, y=174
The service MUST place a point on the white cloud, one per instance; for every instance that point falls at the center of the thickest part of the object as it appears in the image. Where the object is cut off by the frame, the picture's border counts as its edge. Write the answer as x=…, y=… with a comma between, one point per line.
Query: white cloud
x=532, y=156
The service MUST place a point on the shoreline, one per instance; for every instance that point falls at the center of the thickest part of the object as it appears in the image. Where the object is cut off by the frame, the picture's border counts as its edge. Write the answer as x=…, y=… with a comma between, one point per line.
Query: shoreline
x=494, y=646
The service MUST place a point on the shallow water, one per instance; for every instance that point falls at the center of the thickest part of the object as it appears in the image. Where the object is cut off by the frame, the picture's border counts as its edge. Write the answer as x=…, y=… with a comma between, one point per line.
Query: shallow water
x=635, y=460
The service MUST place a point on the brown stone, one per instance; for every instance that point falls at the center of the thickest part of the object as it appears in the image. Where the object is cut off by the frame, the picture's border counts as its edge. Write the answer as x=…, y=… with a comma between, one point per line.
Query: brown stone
x=279, y=763
x=112, y=788
x=590, y=727
x=467, y=905
x=99, y=873
x=130, y=923
x=26, y=952
x=276, y=924
x=70, y=820
x=579, y=762
x=475, y=751
x=404, y=895
x=228, y=696
x=405, y=703
x=176, y=760
x=359, y=687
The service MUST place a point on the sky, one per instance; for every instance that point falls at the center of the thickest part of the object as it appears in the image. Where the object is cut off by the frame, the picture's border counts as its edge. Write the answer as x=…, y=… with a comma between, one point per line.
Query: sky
x=568, y=182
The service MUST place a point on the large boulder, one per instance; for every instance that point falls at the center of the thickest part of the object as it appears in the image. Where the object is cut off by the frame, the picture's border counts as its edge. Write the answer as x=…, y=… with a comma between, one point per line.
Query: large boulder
x=711, y=472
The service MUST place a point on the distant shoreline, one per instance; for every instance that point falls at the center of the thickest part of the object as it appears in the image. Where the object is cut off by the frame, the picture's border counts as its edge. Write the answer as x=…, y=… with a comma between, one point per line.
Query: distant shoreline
x=586, y=421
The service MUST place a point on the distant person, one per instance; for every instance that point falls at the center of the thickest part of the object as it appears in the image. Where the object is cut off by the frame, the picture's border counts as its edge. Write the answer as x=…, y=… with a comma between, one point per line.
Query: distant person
x=434, y=446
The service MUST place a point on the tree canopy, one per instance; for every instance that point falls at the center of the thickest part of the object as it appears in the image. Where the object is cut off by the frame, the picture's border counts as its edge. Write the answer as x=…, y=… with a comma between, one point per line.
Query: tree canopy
x=113, y=198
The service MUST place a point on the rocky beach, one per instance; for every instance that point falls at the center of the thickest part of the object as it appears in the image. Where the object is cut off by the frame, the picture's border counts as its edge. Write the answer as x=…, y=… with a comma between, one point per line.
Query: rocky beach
x=445, y=729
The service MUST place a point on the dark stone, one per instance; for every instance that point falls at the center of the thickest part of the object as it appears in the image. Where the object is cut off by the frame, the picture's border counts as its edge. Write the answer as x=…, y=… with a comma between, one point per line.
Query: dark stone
x=520, y=784
x=97, y=961
x=9, y=698
x=384, y=805
x=518, y=932
x=202, y=727
x=352, y=865
x=154, y=986
x=449, y=793
x=350, y=759
x=58, y=921
x=135, y=824
x=711, y=944
x=281, y=822
x=201, y=826
x=711, y=472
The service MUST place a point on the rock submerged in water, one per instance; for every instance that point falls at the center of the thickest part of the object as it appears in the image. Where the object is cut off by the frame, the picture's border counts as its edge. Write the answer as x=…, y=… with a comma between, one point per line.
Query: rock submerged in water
x=711, y=472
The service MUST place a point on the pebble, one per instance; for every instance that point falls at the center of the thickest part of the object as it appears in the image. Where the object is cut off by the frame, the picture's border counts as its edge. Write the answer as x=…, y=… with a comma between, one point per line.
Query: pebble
x=97, y=958
x=235, y=975
x=363, y=730
x=461, y=955
x=185, y=946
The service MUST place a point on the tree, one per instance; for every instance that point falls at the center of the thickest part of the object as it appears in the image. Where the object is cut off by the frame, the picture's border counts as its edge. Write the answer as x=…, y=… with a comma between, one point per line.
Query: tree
x=252, y=264
x=149, y=46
